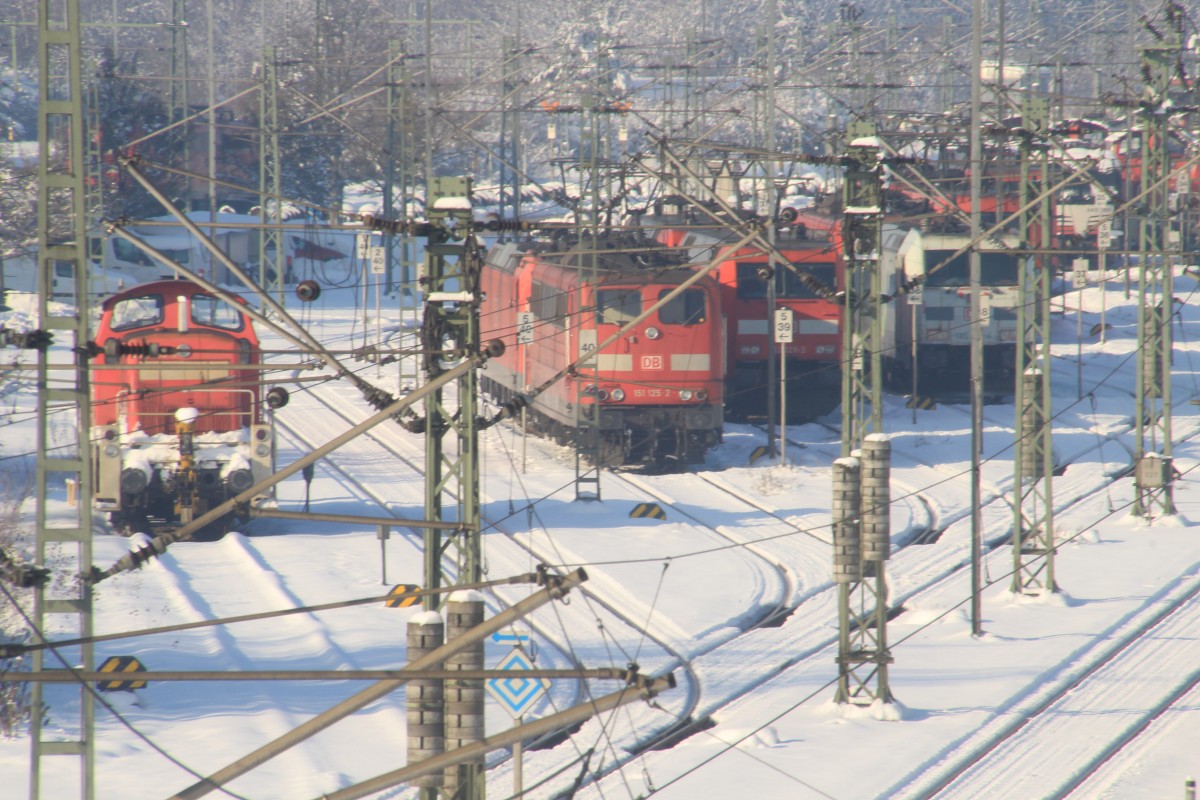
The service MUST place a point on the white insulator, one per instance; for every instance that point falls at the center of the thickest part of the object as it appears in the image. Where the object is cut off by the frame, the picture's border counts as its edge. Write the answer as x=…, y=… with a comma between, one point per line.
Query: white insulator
x=423, y=698
x=464, y=698
x=875, y=480
x=845, y=511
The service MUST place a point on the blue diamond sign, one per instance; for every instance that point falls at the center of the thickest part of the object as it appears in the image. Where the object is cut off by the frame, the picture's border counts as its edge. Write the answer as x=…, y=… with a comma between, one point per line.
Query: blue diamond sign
x=517, y=693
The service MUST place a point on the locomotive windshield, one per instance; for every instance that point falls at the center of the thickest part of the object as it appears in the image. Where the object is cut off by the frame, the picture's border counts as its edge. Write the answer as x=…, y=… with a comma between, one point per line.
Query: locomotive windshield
x=995, y=269
x=215, y=313
x=137, y=312
x=689, y=308
x=617, y=306
x=751, y=286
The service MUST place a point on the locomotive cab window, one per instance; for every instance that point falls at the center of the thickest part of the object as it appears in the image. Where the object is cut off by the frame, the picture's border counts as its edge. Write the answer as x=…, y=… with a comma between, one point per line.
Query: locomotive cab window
x=214, y=313
x=689, y=308
x=995, y=269
x=137, y=312
x=617, y=306
x=752, y=286
x=127, y=252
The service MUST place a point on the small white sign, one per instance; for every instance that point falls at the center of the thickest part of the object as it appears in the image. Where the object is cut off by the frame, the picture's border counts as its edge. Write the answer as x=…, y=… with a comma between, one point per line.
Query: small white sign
x=1104, y=235
x=525, y=327
x=1079, y=279
x=362, y=246
x=916, y=295
x=783, y=325
x=985, y=307
x=378, y=260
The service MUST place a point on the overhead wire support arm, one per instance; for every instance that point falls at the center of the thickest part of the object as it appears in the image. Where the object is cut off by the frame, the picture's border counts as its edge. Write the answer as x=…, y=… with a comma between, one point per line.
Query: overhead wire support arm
x=538, y=578
x=159, y=545
x=643, y=689
x=557, y=587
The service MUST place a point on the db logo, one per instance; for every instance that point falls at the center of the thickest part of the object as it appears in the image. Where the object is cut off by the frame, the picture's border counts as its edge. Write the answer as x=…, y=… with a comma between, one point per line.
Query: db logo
x=652, y=362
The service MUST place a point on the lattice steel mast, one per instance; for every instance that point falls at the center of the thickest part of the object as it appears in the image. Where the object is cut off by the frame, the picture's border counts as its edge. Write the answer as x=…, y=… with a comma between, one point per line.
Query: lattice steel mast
x=451, y=329
x=62, y=608
x=1033, y=457
x=272, y=261
x=861, y=484
x=1152, y=454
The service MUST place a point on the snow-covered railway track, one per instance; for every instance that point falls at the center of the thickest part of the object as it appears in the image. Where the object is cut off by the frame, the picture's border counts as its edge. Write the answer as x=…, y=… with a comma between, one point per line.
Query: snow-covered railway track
x=1093, y=710
x=605, y=608
x=213, y=580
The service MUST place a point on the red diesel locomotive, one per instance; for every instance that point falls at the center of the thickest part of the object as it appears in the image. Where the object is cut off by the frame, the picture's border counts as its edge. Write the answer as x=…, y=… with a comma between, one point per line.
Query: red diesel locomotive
x=653, y=396
x=176, y=407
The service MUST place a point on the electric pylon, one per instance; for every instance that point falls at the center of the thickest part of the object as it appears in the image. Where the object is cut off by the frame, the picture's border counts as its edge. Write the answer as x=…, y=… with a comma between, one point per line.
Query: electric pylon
x=861, y=520
x=1152, y=455
x=271, y=256
x=450, y=329
x=62, y=608
x=1033, y=457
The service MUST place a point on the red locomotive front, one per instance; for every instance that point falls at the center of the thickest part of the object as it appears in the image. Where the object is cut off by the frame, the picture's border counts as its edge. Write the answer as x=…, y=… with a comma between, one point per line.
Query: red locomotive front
x=175, y=404
x=641, y=385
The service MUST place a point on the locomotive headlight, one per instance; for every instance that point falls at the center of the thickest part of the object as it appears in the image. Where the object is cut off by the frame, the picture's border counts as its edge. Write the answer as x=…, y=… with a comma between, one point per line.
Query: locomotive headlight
x=133, y=480
x=111, y=450
x=601, y=395
x=184, y=351
x=685, y=394
x=701, y=395
x=239, y=480
x=262, y=450
x=618, y=394
x=653, y=333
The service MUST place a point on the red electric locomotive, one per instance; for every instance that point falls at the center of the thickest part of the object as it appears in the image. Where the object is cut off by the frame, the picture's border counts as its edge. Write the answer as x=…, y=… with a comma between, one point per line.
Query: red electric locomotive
x=814, y=354
x=177, y=412
x=653, y=396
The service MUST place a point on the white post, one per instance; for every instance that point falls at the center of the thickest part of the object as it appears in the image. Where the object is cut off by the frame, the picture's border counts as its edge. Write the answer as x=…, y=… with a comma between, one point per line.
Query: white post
x=519, y=765
x=782, y=405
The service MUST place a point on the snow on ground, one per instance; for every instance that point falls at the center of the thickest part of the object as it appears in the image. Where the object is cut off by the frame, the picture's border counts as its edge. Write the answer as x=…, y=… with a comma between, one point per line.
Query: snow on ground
x=774, y=732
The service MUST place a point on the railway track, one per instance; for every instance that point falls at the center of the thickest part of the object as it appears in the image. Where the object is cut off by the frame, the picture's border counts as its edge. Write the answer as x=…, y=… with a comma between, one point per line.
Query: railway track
x=516, y=552
x=211, y=580
x=1095, y=709
x=795, y=636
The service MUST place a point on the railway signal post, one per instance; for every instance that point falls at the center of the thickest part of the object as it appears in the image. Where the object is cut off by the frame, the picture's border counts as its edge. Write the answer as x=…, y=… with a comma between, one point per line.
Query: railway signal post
x=1033, y=457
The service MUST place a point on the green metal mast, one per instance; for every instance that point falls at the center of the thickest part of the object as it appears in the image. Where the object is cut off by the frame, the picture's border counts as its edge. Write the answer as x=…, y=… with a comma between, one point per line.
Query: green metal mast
x=270, y=192
x=452, y=271
x=1033, y=457
x=862, y=232
x=861, y=524
x=399, y=180
x=1152, y=454
x=453, y=264
x=62, y=608
x=588, y=448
